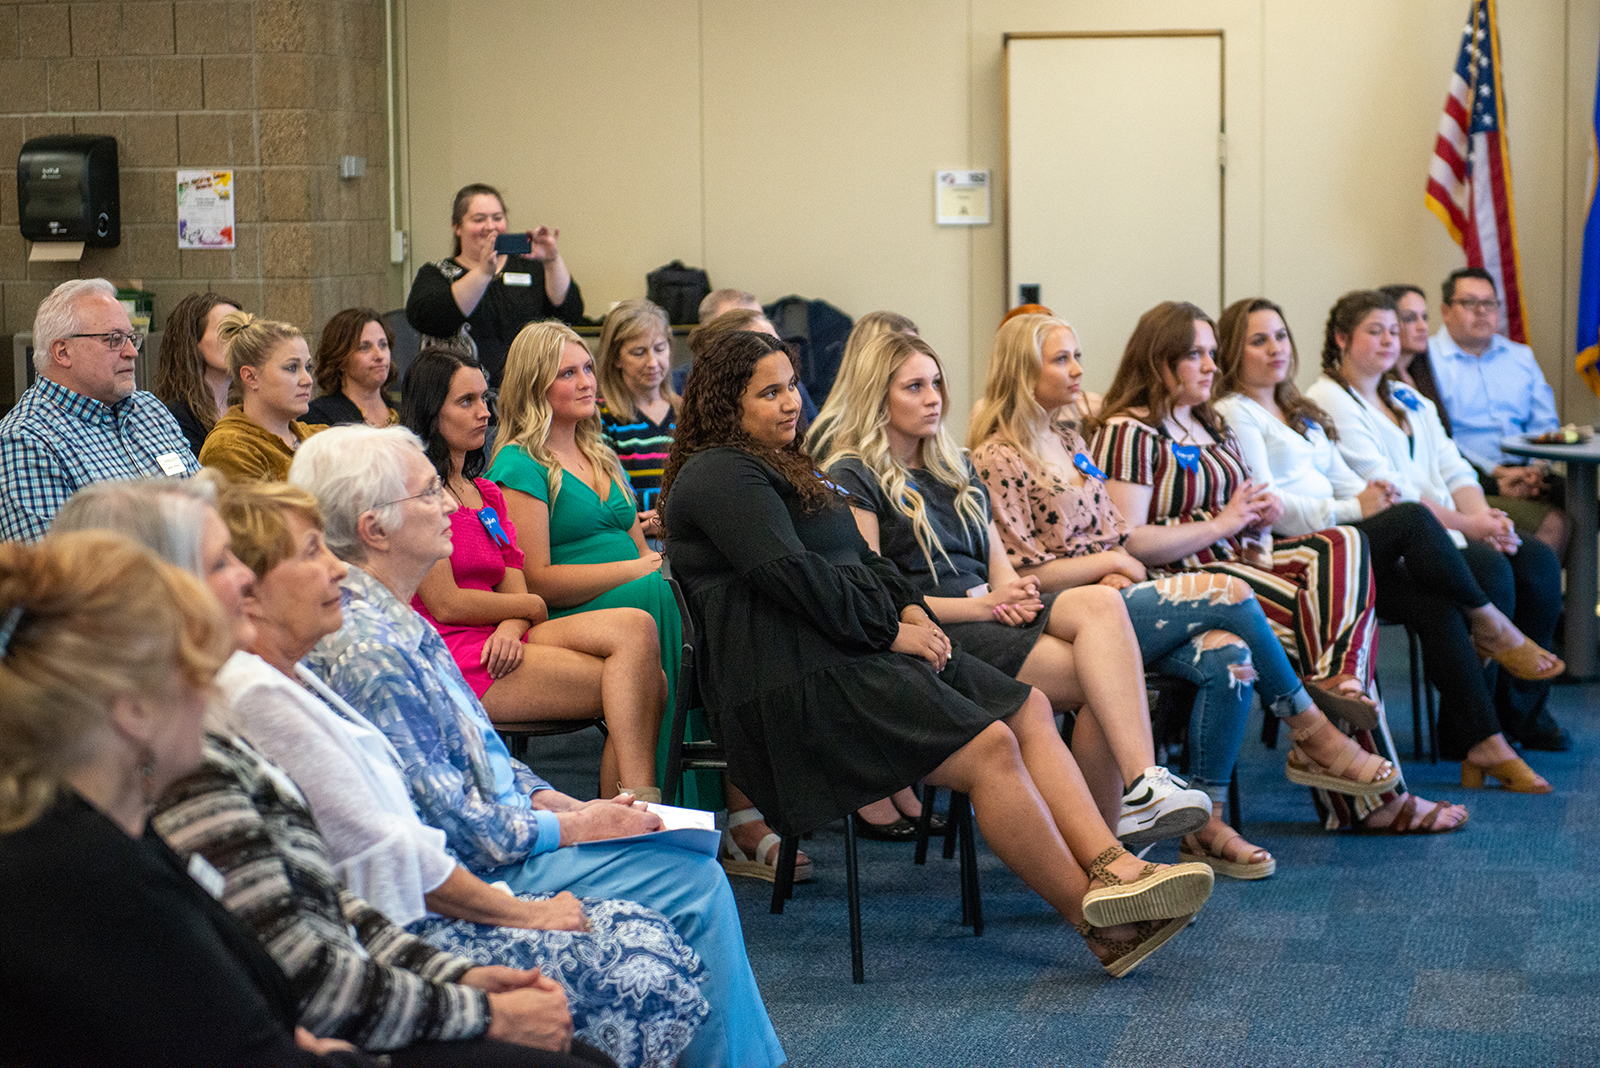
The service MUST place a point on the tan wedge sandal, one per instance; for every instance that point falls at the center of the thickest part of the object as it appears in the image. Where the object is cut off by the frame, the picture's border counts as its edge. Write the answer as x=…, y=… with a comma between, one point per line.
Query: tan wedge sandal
x=1354, y=771
x=1126, y=954
x=1160, y=892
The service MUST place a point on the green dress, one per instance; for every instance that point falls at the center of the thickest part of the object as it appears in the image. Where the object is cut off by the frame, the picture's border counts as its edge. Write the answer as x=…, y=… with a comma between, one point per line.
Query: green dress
x=586, y=530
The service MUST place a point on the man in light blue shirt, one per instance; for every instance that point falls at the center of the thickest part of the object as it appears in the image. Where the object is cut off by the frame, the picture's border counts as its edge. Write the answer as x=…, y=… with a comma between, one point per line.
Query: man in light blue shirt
x=1493, y=388
x=82, y=421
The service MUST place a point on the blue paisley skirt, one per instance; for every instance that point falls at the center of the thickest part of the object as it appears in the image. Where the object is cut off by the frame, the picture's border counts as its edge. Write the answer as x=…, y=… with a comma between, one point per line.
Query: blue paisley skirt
x=632, y=983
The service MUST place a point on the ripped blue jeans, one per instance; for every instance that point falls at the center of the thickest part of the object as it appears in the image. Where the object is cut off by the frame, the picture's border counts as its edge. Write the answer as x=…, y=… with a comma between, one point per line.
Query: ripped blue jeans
x=1174, y=619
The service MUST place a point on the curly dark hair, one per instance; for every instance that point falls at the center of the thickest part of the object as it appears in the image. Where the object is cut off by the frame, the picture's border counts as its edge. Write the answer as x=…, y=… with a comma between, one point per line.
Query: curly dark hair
x=713, y=412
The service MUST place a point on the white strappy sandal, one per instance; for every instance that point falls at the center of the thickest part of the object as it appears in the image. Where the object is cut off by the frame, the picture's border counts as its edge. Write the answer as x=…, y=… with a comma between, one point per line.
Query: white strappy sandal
x=736, y=861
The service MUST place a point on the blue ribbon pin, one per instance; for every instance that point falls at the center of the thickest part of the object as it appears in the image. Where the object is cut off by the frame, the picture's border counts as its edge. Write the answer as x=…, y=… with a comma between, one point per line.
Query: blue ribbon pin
x=1409, y=399
x=1086, y=465
x=1188, y=456
x=491, y=523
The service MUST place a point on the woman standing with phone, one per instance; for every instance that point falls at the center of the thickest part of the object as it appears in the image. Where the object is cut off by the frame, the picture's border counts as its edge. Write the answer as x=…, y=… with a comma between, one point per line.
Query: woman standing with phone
x=495, y=282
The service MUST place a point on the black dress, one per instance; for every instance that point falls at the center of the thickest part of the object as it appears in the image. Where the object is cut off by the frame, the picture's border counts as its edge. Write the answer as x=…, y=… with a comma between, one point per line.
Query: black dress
x=336, y=409
x=999, y=644
x=796, y=618
x=515, y=298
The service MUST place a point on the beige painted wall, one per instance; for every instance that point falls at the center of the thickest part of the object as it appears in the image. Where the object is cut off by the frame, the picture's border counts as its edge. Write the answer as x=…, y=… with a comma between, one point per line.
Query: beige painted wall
x=789, y=147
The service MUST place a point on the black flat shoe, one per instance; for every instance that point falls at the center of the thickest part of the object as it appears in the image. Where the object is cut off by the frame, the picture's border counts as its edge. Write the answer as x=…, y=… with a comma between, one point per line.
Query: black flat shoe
x=936, y=824
x=901, y=830
x=1554, y=740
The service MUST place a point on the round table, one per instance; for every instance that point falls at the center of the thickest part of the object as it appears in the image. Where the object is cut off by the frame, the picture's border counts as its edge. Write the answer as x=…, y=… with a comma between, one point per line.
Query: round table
x=1583, y=558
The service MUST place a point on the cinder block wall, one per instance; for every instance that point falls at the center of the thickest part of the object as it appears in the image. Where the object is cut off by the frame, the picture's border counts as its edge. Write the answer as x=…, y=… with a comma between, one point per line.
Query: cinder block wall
x=277, y=90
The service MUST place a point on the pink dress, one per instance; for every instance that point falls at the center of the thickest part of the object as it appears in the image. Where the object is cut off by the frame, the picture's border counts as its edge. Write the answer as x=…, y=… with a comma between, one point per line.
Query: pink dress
x=478, y=563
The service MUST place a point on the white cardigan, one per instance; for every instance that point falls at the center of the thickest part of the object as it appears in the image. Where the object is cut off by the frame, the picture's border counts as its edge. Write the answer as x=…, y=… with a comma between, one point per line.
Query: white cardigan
x=1317, y=487
x=1425, y=465
x=350, y=775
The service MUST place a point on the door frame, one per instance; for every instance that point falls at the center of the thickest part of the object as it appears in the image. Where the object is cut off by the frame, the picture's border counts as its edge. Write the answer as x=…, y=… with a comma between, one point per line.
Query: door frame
x=1222, y=133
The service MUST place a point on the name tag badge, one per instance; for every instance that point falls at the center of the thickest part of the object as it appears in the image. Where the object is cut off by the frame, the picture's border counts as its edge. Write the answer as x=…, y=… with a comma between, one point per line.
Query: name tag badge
x=171, y=463
x=491, y=523
x=1086, y=465
x=209, y=878
x=517, y=278
x=1188, y=456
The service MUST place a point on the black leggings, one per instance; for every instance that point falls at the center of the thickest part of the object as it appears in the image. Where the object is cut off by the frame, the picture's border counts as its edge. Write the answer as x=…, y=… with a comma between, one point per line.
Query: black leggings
x=1425, y=581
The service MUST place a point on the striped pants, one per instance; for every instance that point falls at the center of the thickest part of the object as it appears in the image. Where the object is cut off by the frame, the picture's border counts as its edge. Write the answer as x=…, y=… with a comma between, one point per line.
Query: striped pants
x=1319, y=599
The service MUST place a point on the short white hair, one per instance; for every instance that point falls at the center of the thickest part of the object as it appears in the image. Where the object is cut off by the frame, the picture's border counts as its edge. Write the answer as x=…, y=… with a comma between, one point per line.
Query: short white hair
x=165, y=515
x=352, y=470
x=57, y=316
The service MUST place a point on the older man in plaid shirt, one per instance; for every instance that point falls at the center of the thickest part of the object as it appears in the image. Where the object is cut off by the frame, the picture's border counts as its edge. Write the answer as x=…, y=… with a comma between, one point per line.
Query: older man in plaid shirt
x=82, y=421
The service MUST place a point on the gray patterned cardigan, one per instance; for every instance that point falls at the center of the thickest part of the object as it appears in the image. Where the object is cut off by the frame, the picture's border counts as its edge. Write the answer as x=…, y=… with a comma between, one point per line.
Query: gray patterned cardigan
x=358, y=976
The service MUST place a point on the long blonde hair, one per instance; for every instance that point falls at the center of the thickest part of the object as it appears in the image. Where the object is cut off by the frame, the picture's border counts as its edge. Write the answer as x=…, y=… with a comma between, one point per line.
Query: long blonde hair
x=859, y=430
x=525, y=415
x=1009, y=410
x=870, y=326
x=626, y=321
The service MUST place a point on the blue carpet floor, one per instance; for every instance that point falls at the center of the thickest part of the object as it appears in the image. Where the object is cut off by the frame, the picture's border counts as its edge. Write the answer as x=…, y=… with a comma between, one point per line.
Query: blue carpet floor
x=1478, y=948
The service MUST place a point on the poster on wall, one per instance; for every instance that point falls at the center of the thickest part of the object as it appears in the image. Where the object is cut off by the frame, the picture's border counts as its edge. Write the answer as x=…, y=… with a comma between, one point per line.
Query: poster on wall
x=961, y=198
x=205, y=209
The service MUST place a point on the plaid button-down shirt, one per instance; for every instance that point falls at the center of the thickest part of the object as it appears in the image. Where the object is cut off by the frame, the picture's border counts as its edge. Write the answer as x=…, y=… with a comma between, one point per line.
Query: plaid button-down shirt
x=56, y=440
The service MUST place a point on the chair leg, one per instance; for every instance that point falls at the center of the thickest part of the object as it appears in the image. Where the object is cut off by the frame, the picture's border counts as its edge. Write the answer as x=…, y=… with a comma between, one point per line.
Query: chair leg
x=1235, y=812
x=957, y=800
x=853, y=888
x=925, y=824
x=1269, y=730
x=1433, y=717
x=971, y=902
x=1419, y=683
x=783, y=879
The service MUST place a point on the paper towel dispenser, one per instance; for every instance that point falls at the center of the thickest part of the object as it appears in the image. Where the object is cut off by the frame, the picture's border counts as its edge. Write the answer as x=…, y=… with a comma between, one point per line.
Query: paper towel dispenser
x=67, y=190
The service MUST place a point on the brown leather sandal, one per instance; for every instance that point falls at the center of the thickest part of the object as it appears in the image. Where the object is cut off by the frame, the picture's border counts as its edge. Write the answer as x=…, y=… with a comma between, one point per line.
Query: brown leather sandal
x=1354, y=771
x=1405, y=821
x=1335, y=704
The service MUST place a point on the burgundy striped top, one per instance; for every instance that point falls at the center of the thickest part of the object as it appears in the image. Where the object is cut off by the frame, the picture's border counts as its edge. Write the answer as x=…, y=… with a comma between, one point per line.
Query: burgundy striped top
x=1130, y=451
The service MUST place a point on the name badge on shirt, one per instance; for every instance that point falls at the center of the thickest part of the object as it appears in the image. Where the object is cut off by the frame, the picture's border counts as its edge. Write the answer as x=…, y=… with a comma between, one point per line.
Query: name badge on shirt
x=517, y=278
x=1188, y=456
x=171, y=463
x=209, y=878
x=491, y=523
x=1086, y=465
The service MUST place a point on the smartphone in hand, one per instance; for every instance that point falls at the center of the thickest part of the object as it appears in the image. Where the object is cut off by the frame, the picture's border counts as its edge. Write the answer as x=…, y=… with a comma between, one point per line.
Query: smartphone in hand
x=513, y=244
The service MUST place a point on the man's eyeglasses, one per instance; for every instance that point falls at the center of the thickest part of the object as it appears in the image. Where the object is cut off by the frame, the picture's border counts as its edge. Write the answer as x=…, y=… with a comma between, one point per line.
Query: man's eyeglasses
x=1477, y=305
x=434, y=491
x=115, y=339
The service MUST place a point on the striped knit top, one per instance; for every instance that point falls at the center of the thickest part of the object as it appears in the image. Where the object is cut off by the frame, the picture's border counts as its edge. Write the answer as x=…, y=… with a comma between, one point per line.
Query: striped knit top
x=1188, y=486
x=642, y=446
x=358, y=977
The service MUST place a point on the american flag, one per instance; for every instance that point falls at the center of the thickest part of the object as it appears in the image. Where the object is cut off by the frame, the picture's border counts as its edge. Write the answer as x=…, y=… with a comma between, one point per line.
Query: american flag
x=1469, y=177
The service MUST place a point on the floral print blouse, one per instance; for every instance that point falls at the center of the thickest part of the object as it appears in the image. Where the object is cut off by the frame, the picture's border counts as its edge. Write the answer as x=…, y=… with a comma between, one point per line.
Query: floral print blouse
x=1041, y=515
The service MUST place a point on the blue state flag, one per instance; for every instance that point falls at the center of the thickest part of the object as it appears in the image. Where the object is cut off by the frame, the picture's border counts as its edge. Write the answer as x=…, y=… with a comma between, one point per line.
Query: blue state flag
x=1588, y=361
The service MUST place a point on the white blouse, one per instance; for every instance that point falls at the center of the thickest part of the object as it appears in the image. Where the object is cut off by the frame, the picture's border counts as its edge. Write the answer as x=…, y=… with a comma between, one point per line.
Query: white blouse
x=351, y=777
x=1317, y=487
x=1424, y=465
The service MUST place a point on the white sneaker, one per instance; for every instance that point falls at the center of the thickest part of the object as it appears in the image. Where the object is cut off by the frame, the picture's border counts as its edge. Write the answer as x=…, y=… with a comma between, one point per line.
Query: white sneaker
x=1160, y=805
